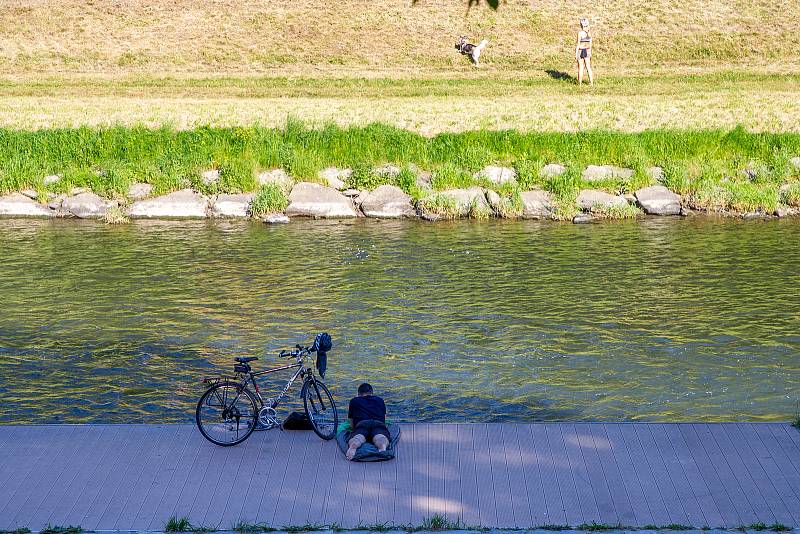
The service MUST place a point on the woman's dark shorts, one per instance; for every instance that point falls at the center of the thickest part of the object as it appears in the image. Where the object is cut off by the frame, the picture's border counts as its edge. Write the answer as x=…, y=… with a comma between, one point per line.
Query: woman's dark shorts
x=584, y=53
x=371, y=428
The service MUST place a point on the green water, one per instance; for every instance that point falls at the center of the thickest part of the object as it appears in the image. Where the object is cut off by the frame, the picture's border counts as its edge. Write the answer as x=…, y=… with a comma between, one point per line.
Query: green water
x=667, y=319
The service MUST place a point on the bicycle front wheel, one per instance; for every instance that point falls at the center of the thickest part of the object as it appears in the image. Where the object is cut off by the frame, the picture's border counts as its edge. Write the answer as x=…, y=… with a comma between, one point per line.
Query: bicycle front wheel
x=226, y=414
x=320, y=409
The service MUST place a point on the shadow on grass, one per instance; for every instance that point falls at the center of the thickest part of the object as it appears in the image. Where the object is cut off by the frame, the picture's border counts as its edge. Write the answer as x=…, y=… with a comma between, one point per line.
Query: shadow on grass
x=560, y=75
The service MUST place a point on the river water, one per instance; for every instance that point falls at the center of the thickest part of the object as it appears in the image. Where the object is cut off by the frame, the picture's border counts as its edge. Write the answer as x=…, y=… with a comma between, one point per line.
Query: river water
x=661, y=320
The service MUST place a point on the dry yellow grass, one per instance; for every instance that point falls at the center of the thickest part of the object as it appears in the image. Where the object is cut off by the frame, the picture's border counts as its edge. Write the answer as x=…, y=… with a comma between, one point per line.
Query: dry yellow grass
x=768, y=111
x=661, y=64
x=322, y=38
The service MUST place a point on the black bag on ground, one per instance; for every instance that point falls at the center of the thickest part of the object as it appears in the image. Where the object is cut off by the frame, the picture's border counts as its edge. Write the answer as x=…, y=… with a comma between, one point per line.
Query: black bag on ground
x=297, y=421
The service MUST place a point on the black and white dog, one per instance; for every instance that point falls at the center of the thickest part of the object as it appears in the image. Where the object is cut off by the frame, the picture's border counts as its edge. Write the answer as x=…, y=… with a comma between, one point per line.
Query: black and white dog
x=471, y=50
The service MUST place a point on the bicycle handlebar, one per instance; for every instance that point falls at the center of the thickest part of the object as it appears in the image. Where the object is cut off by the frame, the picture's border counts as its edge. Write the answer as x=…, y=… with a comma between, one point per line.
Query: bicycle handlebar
x=298, y=352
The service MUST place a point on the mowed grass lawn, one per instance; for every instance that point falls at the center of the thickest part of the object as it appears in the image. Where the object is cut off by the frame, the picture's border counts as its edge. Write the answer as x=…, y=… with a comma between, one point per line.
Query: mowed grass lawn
x=531, y=102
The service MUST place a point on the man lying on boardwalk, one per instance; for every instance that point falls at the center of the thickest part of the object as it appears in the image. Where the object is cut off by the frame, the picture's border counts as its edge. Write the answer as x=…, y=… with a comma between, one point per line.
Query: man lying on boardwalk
x=367, y=414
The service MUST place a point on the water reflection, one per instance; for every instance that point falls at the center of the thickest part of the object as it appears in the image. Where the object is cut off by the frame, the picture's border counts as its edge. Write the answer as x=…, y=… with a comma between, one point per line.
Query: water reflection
x=662, y=320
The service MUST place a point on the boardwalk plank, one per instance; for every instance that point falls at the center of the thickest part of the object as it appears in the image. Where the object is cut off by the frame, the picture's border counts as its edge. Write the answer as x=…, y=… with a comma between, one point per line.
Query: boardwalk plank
x=47, y=464
x=451, y=474
x=88, y=496
x=168, y=474
x=606, y=512
x=468, y=491
x=262, y=466
x=306, y=478
x=439, y=462
x=773, y=446
x=760, y=476
x=778, y=469
x=384, y=503
x=520, y=502
x=416, y=467
x=70, y=510
x=204, y=461
x=401, y=506
x=664, y=480
x=66, y=491
x=33, y=443
x=793, y=434
x=708, y=505
x=715, y=472
x=136, y=476
x=27, y=441
x=650, y=488
x=483, y=467
x=33, y=473
x=163, y=446
x=747, y=483
x=9, y=438
x=231, y=486
x=125, y=484
x=298, y=450
x=376, y=483
x=501, y=478
x=193, y=464
x=580, y=505
x=422, y=474
x=629, y=478
x=351, y=507
x=206, y=490
x=667, y=455
x=533, y=453
x=334, y=499
x=51, y=493
x=784, y=448
x=110, y=495
x=611, y=475
x=551, y=470
x=321, y=480
x=280, y=472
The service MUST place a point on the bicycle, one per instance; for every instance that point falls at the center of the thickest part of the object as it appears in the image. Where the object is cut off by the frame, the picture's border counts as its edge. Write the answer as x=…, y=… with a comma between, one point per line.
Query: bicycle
x=229, y=411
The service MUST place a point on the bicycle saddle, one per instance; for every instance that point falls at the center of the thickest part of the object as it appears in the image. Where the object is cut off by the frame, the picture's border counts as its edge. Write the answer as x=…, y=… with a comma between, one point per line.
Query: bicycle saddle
x=241, y=359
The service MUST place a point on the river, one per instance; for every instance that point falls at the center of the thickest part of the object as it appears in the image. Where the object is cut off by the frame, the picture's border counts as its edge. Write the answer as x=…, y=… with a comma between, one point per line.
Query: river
x=660, y=320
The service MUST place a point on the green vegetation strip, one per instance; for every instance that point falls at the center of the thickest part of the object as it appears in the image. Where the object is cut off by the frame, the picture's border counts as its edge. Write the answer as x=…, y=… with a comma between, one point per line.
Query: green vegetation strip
x=436, y=522
x=439, y=522
x=720, y=170
x=476, y=84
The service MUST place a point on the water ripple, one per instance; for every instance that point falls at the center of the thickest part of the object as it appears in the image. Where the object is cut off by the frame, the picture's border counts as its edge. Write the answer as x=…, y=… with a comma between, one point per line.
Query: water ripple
x=680, y=319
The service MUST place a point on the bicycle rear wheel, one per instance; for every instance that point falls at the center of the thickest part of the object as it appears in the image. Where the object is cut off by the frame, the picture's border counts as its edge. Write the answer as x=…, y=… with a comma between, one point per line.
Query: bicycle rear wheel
x=320, y=409
x=226, y=414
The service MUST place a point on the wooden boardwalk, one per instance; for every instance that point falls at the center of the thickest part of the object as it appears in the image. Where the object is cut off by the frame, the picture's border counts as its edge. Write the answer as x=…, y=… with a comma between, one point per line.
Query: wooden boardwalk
x=130, y=477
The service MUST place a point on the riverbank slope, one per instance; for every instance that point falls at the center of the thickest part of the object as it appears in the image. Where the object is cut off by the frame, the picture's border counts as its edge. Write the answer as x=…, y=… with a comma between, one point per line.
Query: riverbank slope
x=382, y=171
x=660, y=64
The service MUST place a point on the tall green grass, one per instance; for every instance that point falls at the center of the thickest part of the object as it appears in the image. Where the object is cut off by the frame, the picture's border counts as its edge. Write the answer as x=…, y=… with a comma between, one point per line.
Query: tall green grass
x=706, y=164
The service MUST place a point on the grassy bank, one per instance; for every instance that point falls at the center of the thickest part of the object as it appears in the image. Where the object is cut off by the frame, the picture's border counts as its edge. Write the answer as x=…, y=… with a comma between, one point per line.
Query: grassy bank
x=720, y=170
x=661, y=64
x=428, y=105
x=313, y=36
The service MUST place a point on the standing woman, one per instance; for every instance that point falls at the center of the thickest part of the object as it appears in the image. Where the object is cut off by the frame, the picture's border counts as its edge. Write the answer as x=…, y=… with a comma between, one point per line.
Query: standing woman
x=583, y=52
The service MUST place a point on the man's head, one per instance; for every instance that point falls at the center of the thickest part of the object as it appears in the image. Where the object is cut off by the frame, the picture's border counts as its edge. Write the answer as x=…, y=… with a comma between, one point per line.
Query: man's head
x=364, y=389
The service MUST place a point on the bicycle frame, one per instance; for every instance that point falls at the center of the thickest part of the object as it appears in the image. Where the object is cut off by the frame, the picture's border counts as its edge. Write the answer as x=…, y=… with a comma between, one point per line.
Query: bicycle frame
x=251, y=377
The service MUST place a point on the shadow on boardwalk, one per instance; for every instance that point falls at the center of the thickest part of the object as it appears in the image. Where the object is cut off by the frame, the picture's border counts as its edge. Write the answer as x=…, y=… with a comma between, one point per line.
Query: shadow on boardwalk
x=134, y=477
